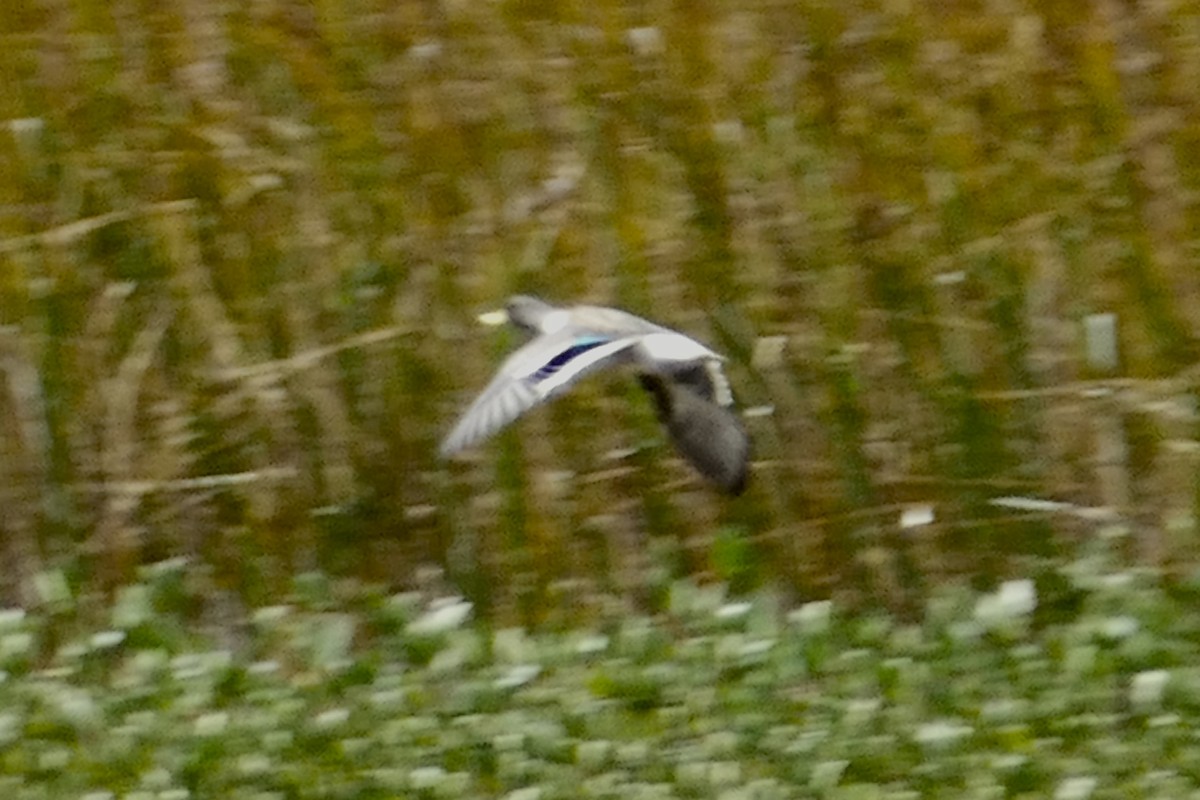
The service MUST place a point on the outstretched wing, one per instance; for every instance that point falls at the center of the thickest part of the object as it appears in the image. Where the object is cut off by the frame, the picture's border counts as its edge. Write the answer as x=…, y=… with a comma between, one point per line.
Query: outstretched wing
x=536, y=372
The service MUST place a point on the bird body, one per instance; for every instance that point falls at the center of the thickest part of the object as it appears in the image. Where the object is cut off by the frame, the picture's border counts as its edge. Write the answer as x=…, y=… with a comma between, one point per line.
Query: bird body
x=709, y=436
x=684, y=377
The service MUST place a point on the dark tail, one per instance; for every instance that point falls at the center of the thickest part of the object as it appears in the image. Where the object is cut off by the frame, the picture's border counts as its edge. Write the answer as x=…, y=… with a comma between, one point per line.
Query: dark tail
x=710, y=437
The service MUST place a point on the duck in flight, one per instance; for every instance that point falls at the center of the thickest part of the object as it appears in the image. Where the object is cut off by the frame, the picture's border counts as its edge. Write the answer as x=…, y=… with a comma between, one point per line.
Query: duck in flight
x=690, y=391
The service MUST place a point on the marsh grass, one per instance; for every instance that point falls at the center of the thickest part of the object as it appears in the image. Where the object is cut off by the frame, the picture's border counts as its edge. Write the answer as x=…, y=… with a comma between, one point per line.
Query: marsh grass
x=242, y=247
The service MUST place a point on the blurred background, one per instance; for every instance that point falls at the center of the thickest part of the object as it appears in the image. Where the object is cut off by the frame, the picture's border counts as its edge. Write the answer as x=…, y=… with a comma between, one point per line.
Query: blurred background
x=949, y=248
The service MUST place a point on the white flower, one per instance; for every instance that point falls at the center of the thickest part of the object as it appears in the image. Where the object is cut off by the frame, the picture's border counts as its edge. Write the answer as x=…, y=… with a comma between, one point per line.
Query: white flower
x=444, y=615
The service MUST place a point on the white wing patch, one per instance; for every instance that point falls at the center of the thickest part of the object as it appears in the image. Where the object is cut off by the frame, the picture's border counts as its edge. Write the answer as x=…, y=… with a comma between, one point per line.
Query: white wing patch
x=722, y=394
x=671, y=346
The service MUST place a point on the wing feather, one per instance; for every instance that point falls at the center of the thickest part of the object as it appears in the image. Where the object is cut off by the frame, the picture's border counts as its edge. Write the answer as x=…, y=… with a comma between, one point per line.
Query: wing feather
x=538, y=371
x=707, y=379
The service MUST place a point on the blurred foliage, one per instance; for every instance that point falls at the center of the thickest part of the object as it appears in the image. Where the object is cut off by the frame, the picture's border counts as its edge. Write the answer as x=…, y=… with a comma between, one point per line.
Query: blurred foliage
x=242, y=247
x=341, y=689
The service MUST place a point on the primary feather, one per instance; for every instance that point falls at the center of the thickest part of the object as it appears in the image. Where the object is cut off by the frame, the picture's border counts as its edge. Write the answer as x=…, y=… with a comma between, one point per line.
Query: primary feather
x=543, y=368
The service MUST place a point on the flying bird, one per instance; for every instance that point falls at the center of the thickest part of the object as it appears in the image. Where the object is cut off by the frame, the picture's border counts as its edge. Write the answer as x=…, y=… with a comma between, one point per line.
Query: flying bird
x=684, y=378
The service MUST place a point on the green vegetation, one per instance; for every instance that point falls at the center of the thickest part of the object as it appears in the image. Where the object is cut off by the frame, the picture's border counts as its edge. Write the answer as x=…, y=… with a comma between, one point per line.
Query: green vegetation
x=1085, y=685
x=242, y=248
